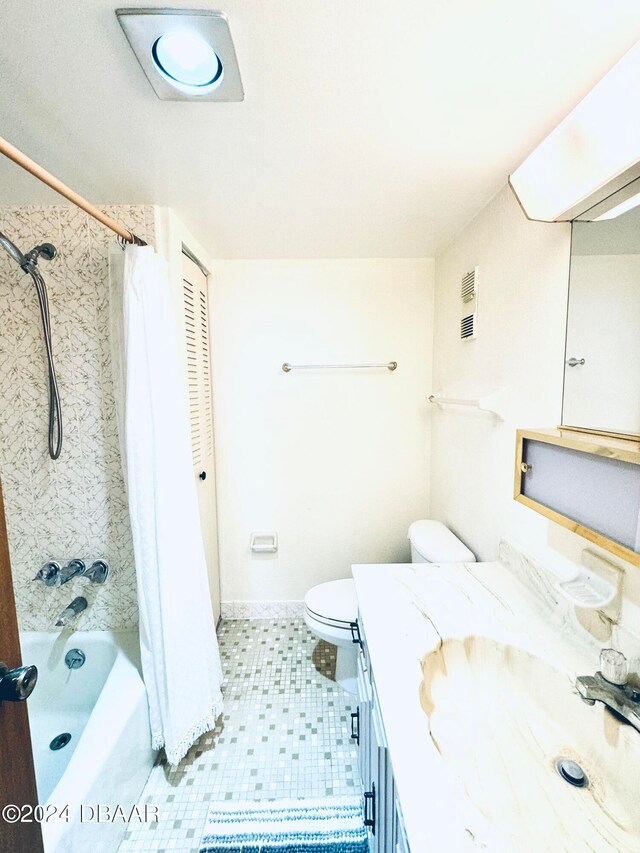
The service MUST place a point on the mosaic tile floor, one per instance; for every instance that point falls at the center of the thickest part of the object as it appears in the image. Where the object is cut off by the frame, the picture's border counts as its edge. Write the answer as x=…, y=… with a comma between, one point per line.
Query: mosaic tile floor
x=284, y=733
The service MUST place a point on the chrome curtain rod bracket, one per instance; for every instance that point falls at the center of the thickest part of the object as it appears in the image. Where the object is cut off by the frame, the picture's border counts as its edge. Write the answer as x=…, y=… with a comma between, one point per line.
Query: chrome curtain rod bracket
x=287, y=368
x=133, y=240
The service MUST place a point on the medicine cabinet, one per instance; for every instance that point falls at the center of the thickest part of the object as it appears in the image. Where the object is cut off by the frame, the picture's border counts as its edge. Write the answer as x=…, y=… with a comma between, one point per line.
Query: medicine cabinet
x=588, y=483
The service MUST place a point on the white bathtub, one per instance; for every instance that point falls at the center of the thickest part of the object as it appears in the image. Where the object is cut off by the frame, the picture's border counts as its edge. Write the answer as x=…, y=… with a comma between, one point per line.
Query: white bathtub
x=103, y=706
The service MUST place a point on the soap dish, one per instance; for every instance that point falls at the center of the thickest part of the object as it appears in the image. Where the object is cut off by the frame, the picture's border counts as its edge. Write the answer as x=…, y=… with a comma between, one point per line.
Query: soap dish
x=587, y=590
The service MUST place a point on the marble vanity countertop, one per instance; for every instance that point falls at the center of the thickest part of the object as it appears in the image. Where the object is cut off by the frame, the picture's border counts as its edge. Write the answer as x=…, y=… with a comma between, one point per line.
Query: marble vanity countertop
x=407, y=611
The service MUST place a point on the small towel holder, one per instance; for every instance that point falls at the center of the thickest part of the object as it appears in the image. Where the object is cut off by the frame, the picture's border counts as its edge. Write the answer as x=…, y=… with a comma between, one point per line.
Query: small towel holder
x=487, y=405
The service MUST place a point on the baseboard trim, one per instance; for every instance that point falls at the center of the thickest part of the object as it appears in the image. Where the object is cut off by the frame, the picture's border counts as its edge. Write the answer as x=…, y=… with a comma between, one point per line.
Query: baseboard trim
x=262, y=609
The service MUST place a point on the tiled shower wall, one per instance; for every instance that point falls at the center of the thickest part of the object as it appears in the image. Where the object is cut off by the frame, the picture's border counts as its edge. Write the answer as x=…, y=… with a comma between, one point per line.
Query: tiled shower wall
x=75, y=506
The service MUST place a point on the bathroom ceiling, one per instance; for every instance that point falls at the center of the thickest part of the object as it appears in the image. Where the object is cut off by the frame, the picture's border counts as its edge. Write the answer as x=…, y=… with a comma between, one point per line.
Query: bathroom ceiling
x=368, y=129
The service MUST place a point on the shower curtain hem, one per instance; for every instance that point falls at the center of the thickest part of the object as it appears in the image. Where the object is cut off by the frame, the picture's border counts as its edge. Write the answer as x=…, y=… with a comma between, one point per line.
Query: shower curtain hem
x=176, y=753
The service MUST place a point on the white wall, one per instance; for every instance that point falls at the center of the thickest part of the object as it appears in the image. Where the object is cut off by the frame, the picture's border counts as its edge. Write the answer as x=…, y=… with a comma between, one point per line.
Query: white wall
x=523, y=282
x=337, y=462
x=524, y=269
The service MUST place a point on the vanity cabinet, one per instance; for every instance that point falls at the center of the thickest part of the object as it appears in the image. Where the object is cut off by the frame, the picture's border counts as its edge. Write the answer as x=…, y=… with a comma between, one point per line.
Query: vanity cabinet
x=381, y=809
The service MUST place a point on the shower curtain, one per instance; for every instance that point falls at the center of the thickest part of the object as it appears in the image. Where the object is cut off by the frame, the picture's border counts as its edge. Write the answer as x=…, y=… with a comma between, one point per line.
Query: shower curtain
x=180, y=657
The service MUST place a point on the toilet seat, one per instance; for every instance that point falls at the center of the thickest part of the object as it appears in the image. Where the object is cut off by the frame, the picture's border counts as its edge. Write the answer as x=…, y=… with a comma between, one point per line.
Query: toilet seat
x=333, y=603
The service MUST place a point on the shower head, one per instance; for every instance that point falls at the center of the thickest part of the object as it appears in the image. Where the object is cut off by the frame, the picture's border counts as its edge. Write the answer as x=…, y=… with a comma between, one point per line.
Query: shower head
x=28, y=261
x=9, y=247
x=45, y=250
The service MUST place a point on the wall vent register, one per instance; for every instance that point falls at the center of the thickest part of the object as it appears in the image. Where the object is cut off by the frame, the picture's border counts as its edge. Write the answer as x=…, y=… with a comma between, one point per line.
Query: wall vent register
x=469, y=311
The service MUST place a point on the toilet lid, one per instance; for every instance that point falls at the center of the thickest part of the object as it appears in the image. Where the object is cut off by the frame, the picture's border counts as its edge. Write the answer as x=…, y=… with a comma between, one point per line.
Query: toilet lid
x=335, y=600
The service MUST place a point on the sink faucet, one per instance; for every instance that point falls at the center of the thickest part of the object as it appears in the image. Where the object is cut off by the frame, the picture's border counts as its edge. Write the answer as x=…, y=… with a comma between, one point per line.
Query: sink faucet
x=71, y=611
x=610, y=687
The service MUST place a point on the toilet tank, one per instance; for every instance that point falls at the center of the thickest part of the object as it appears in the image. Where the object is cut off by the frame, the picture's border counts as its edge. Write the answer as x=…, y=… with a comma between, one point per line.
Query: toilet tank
x=433, y=542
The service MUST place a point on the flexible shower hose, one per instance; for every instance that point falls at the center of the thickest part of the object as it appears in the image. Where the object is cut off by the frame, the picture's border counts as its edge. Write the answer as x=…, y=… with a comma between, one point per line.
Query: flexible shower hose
x=55, y=408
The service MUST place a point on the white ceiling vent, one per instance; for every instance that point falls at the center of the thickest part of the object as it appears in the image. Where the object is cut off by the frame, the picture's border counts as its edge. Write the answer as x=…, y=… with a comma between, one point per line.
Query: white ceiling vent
x=469, y=297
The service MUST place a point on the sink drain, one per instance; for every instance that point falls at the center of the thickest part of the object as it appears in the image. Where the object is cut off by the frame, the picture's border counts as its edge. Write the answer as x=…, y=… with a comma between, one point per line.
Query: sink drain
x=572, y=773
x=60, y=740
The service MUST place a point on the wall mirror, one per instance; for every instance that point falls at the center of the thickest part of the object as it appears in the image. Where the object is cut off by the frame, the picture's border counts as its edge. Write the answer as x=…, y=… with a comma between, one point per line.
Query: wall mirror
x=602, y=358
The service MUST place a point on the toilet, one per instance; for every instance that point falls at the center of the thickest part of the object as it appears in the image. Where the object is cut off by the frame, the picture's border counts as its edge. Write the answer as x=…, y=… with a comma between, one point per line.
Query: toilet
x=330, y=608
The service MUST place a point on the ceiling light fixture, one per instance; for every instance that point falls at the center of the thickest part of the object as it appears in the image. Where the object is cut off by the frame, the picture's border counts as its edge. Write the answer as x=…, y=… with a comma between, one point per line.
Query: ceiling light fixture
x=593, y=153
x=187, y=60
x=185, y=54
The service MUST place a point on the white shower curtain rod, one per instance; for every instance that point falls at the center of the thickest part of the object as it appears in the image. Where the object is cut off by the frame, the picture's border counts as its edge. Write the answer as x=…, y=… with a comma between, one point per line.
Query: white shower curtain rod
x=47, y=178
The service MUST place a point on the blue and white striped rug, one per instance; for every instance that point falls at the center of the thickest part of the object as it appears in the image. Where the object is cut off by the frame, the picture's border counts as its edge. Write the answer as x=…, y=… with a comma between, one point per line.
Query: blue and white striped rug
x=323, y=825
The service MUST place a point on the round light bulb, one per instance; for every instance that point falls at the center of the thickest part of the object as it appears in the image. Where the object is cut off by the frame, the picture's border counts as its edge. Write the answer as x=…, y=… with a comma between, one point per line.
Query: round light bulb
x=186, y=59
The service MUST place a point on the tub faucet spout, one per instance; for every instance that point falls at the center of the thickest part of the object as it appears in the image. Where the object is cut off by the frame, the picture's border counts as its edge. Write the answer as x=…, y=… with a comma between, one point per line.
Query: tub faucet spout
x=71, y=611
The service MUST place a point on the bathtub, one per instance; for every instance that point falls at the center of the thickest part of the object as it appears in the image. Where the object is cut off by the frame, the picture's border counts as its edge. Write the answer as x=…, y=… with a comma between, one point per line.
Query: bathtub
x=103, y=706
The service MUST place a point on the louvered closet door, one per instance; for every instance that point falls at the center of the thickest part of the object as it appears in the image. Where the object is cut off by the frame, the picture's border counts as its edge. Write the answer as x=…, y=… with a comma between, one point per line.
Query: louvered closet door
x=196, y=327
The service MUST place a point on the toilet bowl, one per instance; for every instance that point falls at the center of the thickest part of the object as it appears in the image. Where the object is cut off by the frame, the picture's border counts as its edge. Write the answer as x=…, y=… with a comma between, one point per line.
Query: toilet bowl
x=329, y=610
x=331, y=607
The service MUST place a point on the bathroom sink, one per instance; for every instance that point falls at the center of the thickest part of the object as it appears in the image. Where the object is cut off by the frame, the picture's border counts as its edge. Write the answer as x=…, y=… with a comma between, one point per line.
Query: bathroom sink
x=502, y=719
